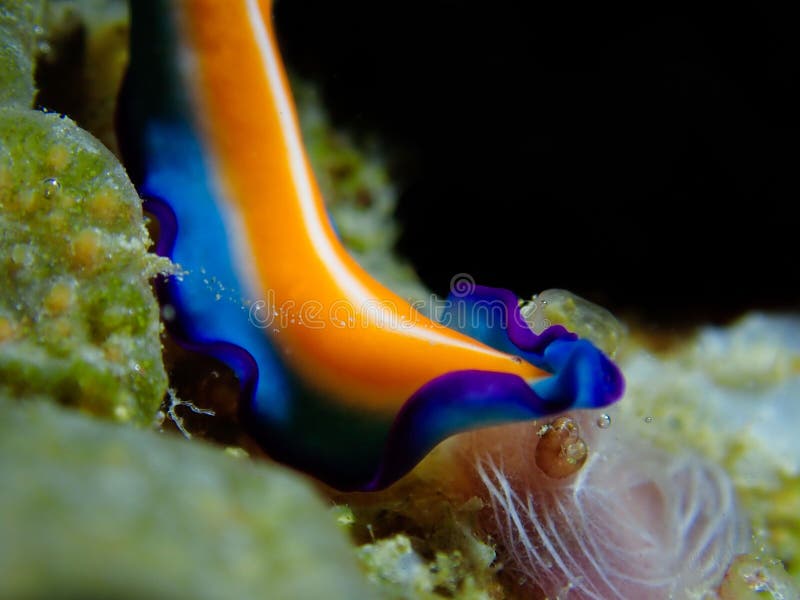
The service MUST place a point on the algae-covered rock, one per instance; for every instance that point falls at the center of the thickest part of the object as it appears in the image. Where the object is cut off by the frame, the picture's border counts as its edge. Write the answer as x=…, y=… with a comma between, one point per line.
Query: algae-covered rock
x=402, y=573
x=417, y=543
x=755, y=578
x=91, y=509
x=78, y=319
x=20, y=31
x=732, y=394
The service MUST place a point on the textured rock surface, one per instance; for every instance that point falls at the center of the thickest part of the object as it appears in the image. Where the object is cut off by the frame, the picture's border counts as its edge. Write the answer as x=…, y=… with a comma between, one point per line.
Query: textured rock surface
x=78, y=320
x=108, y=511
x=19, y=31
x=732, y=394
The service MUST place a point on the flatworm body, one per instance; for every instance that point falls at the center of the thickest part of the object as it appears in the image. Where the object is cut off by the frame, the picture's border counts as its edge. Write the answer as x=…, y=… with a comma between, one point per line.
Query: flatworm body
x=340, y=376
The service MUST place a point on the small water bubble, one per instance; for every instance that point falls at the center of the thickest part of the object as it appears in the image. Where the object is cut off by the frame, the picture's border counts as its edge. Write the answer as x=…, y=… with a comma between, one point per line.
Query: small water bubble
x=604, y=421
x=38, y=30
x=276, y=330
x=517, y=359
x=575, y=452
x=168, y=312
x=51, y=187
x=648, y=419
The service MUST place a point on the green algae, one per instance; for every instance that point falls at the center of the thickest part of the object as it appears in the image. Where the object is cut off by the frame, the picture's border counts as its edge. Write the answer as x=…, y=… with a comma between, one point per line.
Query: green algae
x=81, y=323
x=402, y=573
x=92, y=509
x=416, y=543
x=20, y=31
x=730, y=394
x=752, y=577
x=78, y=320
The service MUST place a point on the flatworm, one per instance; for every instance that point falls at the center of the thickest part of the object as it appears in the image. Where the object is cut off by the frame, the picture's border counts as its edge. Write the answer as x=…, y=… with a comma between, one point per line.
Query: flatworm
x=339, y=376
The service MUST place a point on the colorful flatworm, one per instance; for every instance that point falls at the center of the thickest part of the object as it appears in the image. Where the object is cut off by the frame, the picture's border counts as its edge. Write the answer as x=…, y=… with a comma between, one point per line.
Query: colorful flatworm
x=340, y=377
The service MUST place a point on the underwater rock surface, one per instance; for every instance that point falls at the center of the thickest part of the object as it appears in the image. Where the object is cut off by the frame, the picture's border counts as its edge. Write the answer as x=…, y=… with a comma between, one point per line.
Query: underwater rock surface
x=731, y=394
x=108, y=511
x=78, y=320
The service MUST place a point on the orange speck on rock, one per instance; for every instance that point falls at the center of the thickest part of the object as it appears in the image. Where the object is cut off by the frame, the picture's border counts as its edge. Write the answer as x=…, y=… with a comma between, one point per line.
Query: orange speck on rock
x=62, y=328
x=113, y=353
x=7, y=329
x=87, y=249
x=57, y=157
x=59, y=298
x=6, y=178
x=105, y=205
x=26, y=200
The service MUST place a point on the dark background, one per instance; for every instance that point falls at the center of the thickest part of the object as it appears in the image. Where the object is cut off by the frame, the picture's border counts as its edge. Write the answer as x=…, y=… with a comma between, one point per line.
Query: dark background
x=644, y=160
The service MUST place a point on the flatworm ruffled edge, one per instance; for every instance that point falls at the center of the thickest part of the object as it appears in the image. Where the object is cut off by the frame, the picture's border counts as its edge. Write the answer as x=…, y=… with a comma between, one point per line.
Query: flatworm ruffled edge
x=583, y=377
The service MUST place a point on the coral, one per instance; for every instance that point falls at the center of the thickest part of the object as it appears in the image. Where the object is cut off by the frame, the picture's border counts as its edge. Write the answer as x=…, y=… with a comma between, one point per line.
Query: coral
x=751, y=577
x=415, y=542
x=78, y=321
x=82, y=58
x=107, y=511
x=731, y=394
x=20, y=30
x=400, y=571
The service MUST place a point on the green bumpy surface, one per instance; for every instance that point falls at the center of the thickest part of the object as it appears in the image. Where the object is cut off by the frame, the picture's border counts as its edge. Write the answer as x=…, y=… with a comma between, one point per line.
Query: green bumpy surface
x=78, y=320
x=91, y=509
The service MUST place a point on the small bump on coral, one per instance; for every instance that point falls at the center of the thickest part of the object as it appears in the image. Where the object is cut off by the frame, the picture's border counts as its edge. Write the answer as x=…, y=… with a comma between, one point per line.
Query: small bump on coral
x=8, y=329
x=60, y=298
x=87, y=250
x=22, y=256
x=750, y=578
x=106, y=205
x=57, y=157
x=25, y=200
x=6, y=177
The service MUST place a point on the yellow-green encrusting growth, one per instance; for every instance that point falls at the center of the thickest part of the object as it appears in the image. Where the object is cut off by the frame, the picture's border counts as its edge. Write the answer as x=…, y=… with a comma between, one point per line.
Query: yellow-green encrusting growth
x=78, y=319
x=20, y=31
x=91, y=509
x=755, y=578
x=416, y=544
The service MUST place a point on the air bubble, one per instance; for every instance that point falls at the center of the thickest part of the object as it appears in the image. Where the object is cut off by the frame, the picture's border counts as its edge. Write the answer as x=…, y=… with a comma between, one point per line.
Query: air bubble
x=51, y=187
x=604, y=421
x=560, y=451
